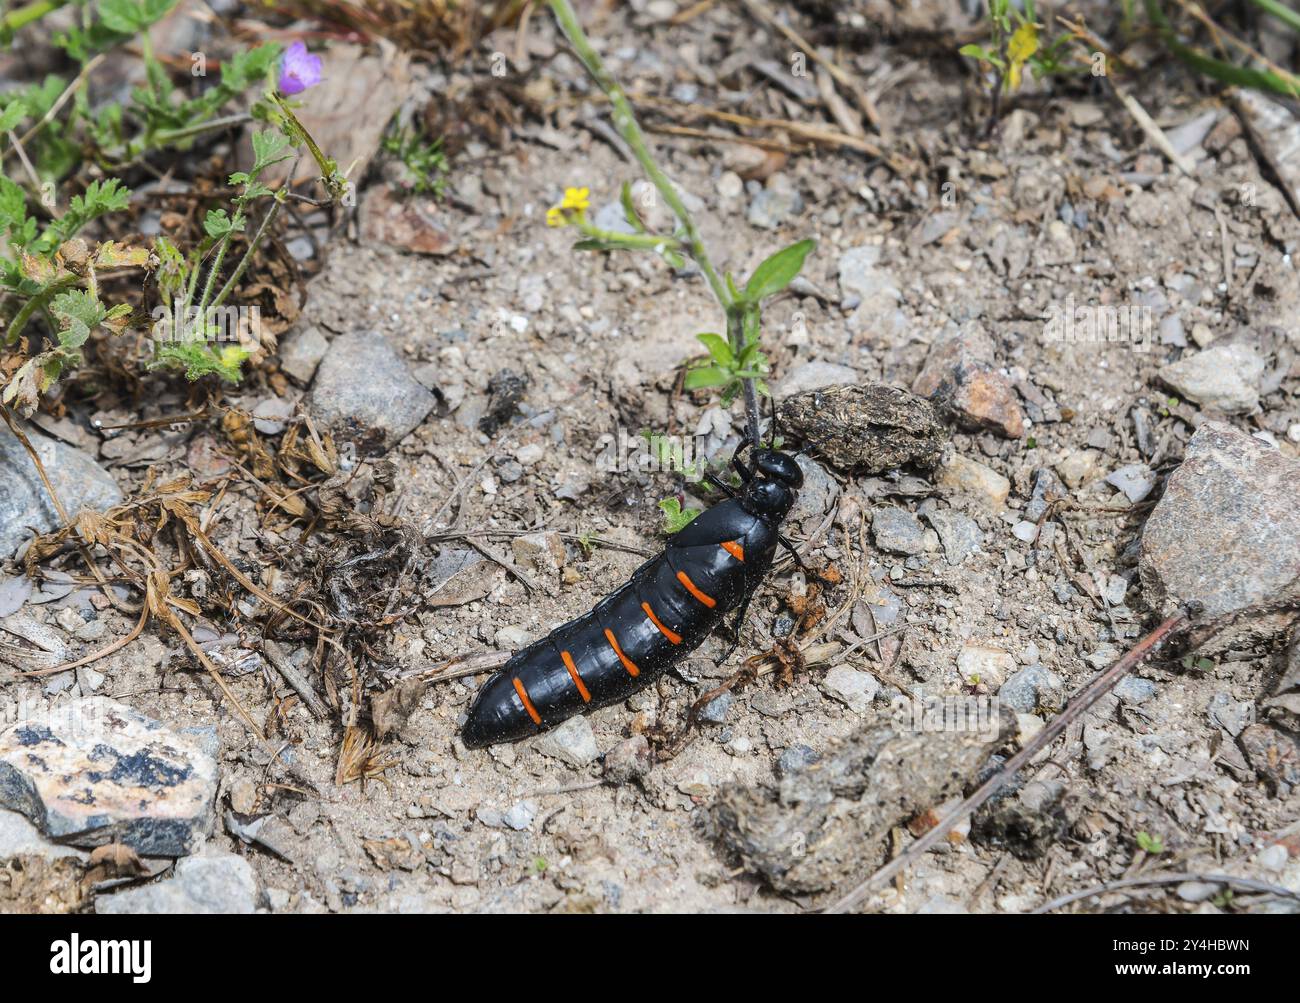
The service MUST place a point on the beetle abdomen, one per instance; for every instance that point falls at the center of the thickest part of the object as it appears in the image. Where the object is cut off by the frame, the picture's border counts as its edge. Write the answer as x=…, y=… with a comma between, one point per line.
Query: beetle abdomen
x=664, y=612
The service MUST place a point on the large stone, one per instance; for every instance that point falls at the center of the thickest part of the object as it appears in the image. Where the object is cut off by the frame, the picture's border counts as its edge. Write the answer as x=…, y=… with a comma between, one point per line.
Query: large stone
x=960, y=374
x=1226, y=533
x=213, y=883
x=25, y=505
x=1225, y=377
x=365, y=392
x=302, y=351
x=94, y=771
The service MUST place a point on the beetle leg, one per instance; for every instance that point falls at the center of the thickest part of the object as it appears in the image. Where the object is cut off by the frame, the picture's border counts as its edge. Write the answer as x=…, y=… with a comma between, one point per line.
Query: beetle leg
x=720, y=484
x=793, y=553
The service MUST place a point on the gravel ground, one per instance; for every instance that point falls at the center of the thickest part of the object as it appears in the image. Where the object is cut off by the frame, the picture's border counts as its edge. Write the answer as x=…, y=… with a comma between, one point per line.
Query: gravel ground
x=958, y=272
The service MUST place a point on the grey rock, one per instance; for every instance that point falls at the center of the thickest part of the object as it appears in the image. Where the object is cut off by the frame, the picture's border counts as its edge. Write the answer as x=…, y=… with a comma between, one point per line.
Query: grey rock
x=771, y=208
x=521, y=815
x=817, y=494
x=215, y=883
x=851, y=687
x=897, y=530
x=1025, y=531
x=814, y=376
x=1231, y=715
x=19, y=838
x=1136, y=481
x=24, y=503
x=1225, y=377
x=959, y=534
x=271, y=414
x=1134, y=689
x=1047, y=489
x=94, y=771
x=301, y=353
x=13, y=593
x=1031, y=688
x=715, y=711
x=863, y=283
x=1197, y=891
x=1226, y=532
x=573, y=743
x=364, y=391
x=795, y=758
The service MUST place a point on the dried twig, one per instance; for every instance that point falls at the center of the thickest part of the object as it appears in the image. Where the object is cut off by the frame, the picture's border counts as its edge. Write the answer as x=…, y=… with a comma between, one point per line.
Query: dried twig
x=1100, y=684
x=280, y=662
x=1249, y=884
x=842, y=76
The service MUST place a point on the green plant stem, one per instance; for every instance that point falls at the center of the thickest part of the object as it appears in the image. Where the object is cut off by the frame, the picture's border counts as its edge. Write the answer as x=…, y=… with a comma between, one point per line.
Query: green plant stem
x=174, y=135
x=37, y=302
x=626, y=125
x=1280, y=11
x=242, y=267
x=211, y=281
x=16, y=19
x=631, y=241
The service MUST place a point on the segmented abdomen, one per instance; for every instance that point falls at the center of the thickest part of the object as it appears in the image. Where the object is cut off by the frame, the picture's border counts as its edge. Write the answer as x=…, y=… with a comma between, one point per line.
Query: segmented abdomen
x=663, y=613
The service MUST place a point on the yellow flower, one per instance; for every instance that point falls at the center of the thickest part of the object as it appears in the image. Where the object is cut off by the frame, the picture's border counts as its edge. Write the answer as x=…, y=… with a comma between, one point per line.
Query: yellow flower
x=555, y=216
x=1023, y=44
x=576, y=198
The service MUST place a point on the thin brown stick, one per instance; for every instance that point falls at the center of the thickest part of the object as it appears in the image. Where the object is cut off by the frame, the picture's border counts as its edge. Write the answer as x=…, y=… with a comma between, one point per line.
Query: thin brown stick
x=842, y=76
x=1097, y=687
x=121, y=642
x=1250, y=884
x=280, y=662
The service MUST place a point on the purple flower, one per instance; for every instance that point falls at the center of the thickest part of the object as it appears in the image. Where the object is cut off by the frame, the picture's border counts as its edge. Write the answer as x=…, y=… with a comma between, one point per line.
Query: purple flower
x=299, y=69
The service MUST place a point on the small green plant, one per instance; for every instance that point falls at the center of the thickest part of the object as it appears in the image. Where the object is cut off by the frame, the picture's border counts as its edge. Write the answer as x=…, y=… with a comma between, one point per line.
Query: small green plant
x=736, y=364
x=1150, y=844
x=1014, y=44
x=1258, y=72
x=424, y=160
x=51, y=275
x=185, y=335
x=676, y=518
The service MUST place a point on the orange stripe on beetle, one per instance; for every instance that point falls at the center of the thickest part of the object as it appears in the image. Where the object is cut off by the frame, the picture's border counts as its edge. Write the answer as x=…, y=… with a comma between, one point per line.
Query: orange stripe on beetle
x=733, y=548
x=694, y=590
x=577, y=679
x=675, y=638
x=631, y=666
x=528, y=704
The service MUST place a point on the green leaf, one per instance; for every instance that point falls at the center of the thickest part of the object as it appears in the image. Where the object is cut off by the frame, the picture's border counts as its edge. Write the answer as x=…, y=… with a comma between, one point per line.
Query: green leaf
x=1151, y=844
x=718, y=348
x=676, y=518
x=217, y=223
x=270, y=146
x=99, y=198
x=629, y=209
x=14, y=112
x=975, y=51
x=778, y=271
x=79, y=313
x=705, y=376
